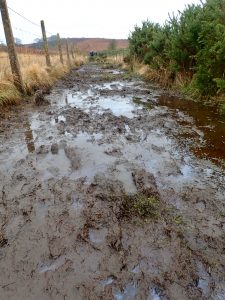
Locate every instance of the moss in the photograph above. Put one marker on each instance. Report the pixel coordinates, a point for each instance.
(178, 220)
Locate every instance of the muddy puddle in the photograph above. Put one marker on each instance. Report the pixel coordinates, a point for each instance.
(208, 122)
(102, 198)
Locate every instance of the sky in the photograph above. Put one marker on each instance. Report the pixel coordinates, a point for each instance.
(85, 18)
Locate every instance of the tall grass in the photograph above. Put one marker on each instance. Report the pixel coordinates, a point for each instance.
(35, 74)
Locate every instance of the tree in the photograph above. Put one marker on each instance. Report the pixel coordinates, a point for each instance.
(36, 41)
(112, 45)
(191, 45)
(52, 38)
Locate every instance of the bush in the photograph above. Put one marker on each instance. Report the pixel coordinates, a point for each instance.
(191, 44)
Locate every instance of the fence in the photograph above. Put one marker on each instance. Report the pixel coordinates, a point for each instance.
(41, 38)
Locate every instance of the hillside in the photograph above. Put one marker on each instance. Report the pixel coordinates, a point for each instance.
(85, 44)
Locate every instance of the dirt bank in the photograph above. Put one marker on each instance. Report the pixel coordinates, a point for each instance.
(102, 197)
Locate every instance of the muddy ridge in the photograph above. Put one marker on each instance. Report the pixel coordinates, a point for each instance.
(103, 197)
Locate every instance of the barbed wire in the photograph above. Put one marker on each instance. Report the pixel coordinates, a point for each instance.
(25, 31)
(23, 17)
(28, 20)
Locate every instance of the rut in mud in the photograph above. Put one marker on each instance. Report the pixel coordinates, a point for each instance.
(101, 198)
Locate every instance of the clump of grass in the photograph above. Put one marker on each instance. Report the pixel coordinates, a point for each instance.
(127, 76)
(3, 240)
(108, 65)
(58, 71)
(222, 108)
(141, 206)
(36, 77)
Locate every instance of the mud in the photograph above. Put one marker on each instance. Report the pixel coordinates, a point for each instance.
(71, 170)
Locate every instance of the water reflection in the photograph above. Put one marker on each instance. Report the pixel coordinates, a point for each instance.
(208, 121)
(29, 139)
(66, 100)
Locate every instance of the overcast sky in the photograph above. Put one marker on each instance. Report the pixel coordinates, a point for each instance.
(88, 18)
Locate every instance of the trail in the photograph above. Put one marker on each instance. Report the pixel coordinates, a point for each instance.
(69, 172)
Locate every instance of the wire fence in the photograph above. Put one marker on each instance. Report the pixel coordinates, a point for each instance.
(21, 33)
(22, 38)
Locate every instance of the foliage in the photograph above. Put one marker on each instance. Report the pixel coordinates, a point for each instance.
(112, 45)
(190, 44)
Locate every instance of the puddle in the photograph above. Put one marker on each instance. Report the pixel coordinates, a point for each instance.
(58, 120)
(154, 294)
(207, 120)
(51, 196)
(129, 292)
(98, 236)
(77, 204)
(91, 100)
(119, 106)
(108, 281)
(115, 72)
(52, 266)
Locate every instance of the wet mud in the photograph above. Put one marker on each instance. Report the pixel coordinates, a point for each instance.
(103, 197)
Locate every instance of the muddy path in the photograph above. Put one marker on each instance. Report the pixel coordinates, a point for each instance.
(101, 197)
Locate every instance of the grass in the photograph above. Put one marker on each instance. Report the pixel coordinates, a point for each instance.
(35, 74)
(222, 108)
(3, 240)
(8, 93)
(140, 205)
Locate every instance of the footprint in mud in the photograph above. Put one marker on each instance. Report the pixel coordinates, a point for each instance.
(129, 292)
(98, 236)
(74, 157)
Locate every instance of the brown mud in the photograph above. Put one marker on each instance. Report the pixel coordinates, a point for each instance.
(102, 198)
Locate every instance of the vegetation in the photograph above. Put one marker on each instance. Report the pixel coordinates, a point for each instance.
(34, 72)
(111, 58)
(140, 205)
(188, 49)
(112, 46)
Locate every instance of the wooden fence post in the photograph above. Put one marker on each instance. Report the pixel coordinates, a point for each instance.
(68, 54)
(48, 61)
(60, 48)
(14, 63)
(72, 51)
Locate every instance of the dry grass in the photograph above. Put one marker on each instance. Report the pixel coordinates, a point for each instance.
(8, 93)
(34, 72)
(115, 59)
(162, 76)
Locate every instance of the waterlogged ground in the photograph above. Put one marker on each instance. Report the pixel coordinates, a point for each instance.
(69, 173)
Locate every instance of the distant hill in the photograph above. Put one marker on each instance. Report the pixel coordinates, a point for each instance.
(84, 44)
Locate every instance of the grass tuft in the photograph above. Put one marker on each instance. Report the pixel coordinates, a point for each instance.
(9, 95)
(140, 205)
